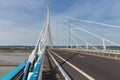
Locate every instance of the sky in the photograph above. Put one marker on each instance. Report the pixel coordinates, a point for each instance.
(21, 20)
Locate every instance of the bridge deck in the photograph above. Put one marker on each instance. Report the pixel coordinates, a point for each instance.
(99, 68)
(79, 66)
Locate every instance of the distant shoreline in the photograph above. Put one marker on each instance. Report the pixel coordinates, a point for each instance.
(32, 47)
(17, 47)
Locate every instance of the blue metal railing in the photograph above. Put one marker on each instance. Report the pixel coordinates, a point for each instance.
(14, 72)
(26, 71)
(38, 68)
(36, 71)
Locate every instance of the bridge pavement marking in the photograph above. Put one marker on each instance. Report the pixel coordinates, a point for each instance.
(81, 56)
(77, 69)
(60, 68)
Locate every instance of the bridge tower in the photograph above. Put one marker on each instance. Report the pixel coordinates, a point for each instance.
(48, 25)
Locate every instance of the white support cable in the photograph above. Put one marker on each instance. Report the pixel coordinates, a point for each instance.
(58, 38)
(89, 22)
(98, 36)
(40, 34)
(63, 36)
(82, 39)
(68, 35)
(91, 33)
(53, 31)
(32, 55)
(42, 37)
(74, 40)
(62, 39)
(65, 40)
(57, 34)
(45, 35)
(54, 40)
(42, 41)
(45, 32)
(38, 42)
(59, 43)
(63, 32)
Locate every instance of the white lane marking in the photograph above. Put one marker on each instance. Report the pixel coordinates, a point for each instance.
(60, 68)
(81, 56)
(80, 71)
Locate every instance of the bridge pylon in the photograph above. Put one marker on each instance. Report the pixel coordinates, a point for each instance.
(48, 25)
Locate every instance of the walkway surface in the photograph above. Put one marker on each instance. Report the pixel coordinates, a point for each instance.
(50, 71)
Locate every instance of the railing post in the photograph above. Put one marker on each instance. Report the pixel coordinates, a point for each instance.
(87, 46)
(104, 45)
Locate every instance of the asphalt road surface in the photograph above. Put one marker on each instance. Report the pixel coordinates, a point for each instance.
(87, 67)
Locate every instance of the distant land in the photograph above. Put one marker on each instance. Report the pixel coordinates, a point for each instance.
(16, 47)
(32, 47)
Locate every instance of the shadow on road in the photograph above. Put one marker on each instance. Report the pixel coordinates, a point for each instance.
(68, 59)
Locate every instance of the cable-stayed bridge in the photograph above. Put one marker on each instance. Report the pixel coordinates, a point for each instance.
(72, 49)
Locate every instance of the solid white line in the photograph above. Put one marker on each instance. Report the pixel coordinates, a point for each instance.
(80, 71)
(60, 68)
(81, 56)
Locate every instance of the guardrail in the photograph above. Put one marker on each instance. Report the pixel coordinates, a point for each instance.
(13, 73)
(26, 70)
(102, 54)
(37, 71)
(112, 54)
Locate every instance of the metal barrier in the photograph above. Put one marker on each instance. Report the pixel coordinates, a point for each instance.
(112, 54)
(13, 73)
(37, 72)
(26, 71)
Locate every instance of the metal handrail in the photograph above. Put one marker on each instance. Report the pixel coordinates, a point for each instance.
(13, 73)
(37, 71)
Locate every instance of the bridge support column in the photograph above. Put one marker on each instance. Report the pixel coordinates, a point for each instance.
(48, 25)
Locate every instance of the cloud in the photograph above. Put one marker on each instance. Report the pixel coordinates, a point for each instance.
(20, 21)
(94, 10)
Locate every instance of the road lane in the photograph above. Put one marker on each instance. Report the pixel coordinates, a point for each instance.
(74, 67)
(97, 67)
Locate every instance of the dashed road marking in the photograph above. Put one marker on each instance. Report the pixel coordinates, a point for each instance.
(81, 56)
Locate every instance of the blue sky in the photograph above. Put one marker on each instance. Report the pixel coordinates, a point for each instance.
(21, 20)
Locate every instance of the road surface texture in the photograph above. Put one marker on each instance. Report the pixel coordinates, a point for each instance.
(87, 67)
